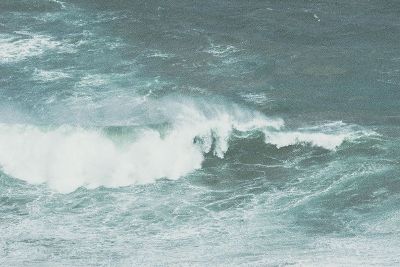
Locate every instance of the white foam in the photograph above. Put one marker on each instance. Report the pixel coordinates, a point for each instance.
(93, 80)
(328, 135)
(67, 158)
(60, 3)
(13, 49)
(256, 98)
(221, 50)
(156, 53)
(23, 45)
(48, 76)
(283, 139)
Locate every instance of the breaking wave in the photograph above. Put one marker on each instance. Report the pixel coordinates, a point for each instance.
(68, 157)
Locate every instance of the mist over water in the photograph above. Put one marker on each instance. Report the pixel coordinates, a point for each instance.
(184, 133)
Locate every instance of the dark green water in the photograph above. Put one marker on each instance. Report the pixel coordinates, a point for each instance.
(188, 133)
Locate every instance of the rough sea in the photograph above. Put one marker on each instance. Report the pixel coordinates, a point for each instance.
(199, 133)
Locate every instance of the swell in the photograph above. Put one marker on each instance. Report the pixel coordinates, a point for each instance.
(68, 157)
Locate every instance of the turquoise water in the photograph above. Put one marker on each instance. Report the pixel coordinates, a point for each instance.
(187, 133)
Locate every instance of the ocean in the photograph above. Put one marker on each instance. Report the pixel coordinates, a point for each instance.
(199, 133)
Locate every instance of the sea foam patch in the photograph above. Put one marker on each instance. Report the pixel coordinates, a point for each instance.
(49, 75)
(22, 45)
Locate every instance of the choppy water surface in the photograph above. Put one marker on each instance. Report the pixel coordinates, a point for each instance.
(192, 133)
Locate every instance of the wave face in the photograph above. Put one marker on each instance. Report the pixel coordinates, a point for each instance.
(188, 133)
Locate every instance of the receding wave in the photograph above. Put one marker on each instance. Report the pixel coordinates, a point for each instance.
(68, 157)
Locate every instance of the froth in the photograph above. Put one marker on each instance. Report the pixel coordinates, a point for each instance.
(67, 158)
(328, 135)
(14, 48)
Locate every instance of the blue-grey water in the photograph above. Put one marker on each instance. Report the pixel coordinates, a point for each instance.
(199, 133)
